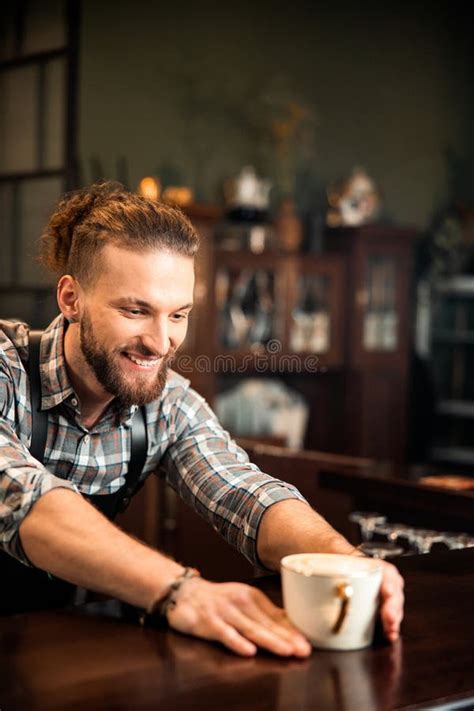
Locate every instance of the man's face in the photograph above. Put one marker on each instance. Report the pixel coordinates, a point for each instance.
(133, 319)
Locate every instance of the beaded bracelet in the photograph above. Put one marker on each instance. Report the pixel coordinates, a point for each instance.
(161, 607)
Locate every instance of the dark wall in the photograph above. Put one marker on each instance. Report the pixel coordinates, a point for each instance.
(190, 91)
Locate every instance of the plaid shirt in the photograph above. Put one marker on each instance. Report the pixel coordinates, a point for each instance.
(185, 443)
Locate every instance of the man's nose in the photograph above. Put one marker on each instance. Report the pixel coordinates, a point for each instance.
(157, 338)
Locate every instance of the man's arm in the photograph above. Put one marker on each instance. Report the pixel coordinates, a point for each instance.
(293, 527)
(213, 475)
(68, 537)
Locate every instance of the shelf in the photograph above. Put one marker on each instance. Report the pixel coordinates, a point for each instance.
(455, 455)
(458, 408)
(459, 285)
(459, 337)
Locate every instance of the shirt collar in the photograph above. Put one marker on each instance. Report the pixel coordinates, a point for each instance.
(55, 385)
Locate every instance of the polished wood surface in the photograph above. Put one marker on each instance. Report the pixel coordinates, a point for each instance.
(93, 658)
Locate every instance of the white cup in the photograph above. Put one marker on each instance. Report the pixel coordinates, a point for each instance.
(332, 599)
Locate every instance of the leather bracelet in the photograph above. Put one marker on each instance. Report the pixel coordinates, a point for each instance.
(164, 604)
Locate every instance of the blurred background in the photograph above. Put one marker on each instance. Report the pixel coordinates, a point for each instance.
(325, 154)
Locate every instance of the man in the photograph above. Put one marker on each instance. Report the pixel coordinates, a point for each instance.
(125, 293)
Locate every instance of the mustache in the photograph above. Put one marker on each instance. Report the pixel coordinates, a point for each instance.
(147, 353)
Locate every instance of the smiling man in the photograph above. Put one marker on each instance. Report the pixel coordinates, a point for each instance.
(132, 321)
(126, 276)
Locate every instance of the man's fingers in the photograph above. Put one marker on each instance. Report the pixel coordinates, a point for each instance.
(261, 609)
(221, 631)
(278, 624)
(392, 601)
(391, 613)
(392, 580)
(259, 634)
(264, 602)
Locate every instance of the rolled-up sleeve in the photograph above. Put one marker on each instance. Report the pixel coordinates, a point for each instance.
(23, 480)
(213, 474)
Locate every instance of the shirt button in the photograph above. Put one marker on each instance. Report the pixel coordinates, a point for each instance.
(74, 402)
(86, 439)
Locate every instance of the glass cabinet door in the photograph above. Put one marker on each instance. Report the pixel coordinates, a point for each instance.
(280, 304)
(315, 307)
(247, 302)
(310, 327)
(382, 301)
(380, 319)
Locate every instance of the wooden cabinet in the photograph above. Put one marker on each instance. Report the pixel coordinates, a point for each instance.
(269, 307)
(335, 326)
(378, 313)
(380, 266)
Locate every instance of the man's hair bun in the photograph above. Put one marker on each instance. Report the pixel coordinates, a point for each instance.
(85, 220)
(73, 208)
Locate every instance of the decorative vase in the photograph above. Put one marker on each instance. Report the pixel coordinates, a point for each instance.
(288, 226)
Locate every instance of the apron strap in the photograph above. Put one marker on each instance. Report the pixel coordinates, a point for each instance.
(113, 503)
(139, 446)
(39, 417)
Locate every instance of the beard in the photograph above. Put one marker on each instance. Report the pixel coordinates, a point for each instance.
(107, 369)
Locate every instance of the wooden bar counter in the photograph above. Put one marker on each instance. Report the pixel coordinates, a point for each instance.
(94, 658)
(401, 497)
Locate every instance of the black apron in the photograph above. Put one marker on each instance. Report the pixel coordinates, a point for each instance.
(22, 588)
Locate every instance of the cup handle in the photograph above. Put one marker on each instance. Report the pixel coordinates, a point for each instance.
(344, 592)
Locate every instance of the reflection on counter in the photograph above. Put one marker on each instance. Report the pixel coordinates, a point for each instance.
(347, 681)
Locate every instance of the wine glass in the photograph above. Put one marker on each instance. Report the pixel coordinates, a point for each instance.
(367, 521)
(392, 531)
(456, 541)
(381, 549)
(423, 539)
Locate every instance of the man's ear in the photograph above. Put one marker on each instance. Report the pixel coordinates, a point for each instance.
(68, 296)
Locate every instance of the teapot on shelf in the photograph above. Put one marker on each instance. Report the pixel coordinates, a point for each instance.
(247, 195)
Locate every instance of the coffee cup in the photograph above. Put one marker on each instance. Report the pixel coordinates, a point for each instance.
(332, 599)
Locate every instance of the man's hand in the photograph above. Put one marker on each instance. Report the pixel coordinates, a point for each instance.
(292, 526)
(239, 616)
(242, 618)
(392, 598)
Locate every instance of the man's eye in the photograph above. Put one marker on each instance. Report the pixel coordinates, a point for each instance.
(179, 317)
(133, 312)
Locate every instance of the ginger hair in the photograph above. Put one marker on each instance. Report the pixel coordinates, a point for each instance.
(105, 213)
